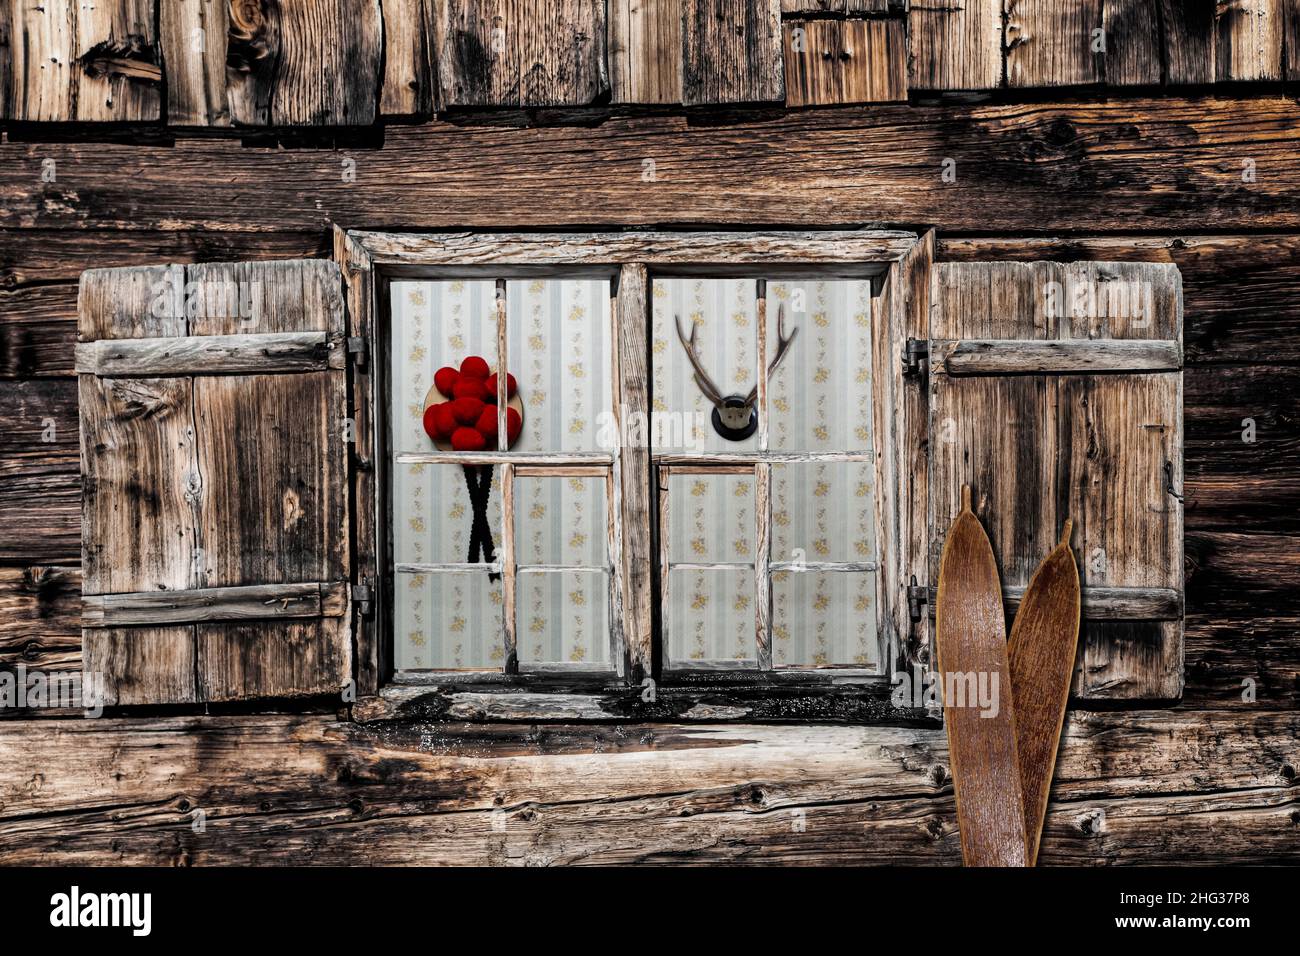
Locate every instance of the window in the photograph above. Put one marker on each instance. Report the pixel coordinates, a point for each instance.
(665, 518)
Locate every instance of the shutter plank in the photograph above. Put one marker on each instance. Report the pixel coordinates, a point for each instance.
(279, 659)
(845, 61)
(254, 602)
(1249, 41)
(1134, 42)
(408, 84)
(1037, 448)
(270, 352)
(140, 665)
(1026, 356)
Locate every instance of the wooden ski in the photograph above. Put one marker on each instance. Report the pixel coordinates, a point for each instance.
(970, 637)
(1044, 638)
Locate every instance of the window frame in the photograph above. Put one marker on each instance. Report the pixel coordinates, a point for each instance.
(639, 687)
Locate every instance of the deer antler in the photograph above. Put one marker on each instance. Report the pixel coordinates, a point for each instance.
(783, 346)
(711, 391)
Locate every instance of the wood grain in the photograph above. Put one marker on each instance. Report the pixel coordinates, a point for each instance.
(255, 602)
(970, 638)
(645, 51)
(265, 353)
(194, 34)
(1050, 42)
(829, 62)
(408, 81)
(955, 46)
(1040, 654)
(731, 51)
(1034, 357)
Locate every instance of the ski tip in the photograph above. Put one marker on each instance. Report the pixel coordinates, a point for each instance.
(965, 498)
(1065, 532)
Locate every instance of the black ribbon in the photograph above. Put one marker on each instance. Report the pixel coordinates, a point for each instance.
(478, 479)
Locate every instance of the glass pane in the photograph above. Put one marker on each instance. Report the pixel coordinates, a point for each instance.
(433, 513)
(447, 621)
(819, 397)
(561, 520)
(823, 511)
(711, 519)
(435, 325)
(820, 618)
(723, 314)
(563, 617)
(710, 615)
(559, 352)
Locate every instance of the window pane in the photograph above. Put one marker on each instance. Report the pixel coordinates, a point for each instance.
(819, 398)
(434, 325)
(823, 511)
(561, 520)
(821, 618)
(711, 518)
(433, 516)
(710, 615)
(560, 354)
(723, 313)
(447, 621)
(563, 617)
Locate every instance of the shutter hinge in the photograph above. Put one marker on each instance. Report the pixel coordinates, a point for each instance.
(360, 348)
(916, 596)
(915, 351)
(362, 596)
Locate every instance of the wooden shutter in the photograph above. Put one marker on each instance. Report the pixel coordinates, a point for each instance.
(213, 460)
(1055, 391)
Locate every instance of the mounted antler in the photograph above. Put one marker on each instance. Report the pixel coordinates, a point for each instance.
(734, 418)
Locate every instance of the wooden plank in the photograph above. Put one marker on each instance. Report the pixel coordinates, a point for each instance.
(253, 602)
(633, 399)
(970, 637)
(645, 51)
(360, 294)
(1030, 357)
(409, 83)
(281, 659)
(829, 62)
(1249, 40)
(259, 353)
(731, 52)
(448, 176)
(521, 52)
(1136, 51)
(1052, 43)
(81, 62)
(304, 64)
(1117, 604)
(464, 253)
(1190, 47)
(153, 665)
(955, 46)
(1211, 786)
(41, 608)
(194, 38)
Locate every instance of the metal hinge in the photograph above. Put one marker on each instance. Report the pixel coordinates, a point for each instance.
(916, 596)
(360, 348)
(362, 596)
(915, 351)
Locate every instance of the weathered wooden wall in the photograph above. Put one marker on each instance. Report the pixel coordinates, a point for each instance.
(1210, 183)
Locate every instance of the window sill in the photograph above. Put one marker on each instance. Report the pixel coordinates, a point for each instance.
(807, 698)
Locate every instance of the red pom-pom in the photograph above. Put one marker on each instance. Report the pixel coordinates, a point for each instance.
(467, 410)
(514, 425)
(444, 422)
(430, 424)
(468, 439)
(487, 423)
(445, 379)
(511, 386)
(474, 367)
(471, 388)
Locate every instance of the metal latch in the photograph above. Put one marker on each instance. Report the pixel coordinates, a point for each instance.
(362, 595)
(916, 596)
(360, 348)
(915, 351)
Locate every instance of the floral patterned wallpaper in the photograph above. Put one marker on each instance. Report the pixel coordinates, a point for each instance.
(560, 352)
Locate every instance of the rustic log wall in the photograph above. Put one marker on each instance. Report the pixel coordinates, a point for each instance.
(1211, 184)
